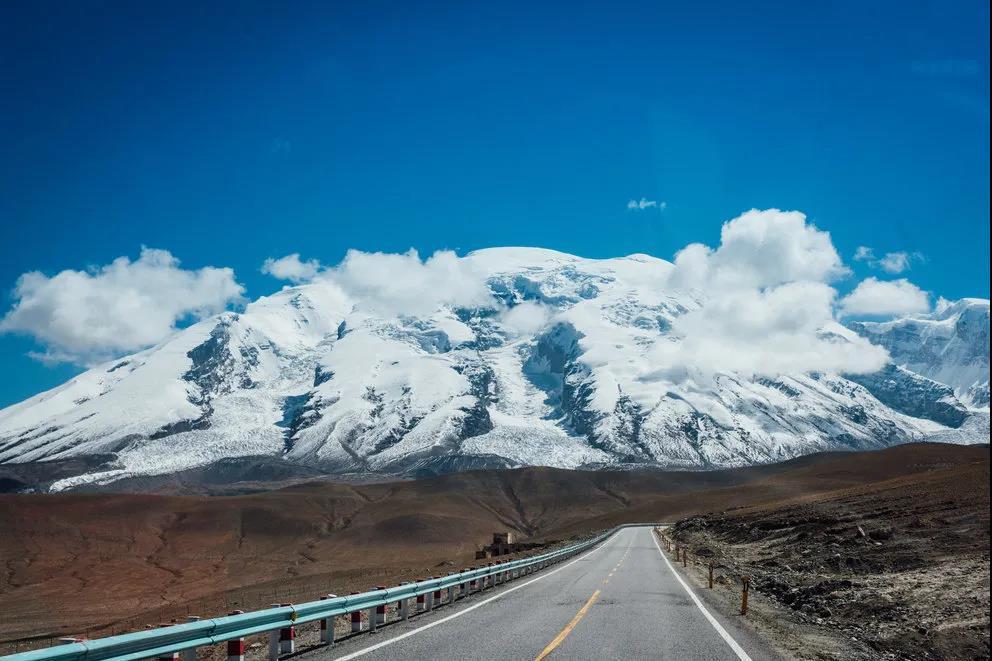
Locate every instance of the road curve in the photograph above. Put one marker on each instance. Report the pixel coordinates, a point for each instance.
(620, 600)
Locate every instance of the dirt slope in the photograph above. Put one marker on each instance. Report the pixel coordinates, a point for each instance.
(894, 569)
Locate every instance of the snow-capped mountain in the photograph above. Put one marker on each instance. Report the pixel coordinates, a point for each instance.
(950, 346)
(558, 372)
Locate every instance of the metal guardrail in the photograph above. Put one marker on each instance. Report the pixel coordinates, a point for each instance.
(167, 641)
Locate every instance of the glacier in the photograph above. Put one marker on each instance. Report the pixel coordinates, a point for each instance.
(311, 375)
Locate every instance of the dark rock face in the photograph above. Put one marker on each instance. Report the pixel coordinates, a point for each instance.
(909, 393)
(214, 367)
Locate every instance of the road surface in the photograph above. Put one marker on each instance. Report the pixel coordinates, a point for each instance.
(621, 600)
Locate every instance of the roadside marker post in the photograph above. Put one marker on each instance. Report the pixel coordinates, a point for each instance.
(745, 588)
(711, 576)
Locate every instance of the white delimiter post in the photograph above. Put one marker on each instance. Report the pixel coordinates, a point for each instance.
(430, 597)
(274, 641)
(405, 604)
(327, 625)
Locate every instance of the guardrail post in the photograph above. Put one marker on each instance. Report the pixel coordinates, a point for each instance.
(274, 641)
(429, 598)
(356, 620)
(421, 599)
(174, 656)
(377, 615)
(452, 591)
(327, 624)
(404, 604)
(463, 586)
(287, 637)
(235, 647)
(190, 654)
(436, 597)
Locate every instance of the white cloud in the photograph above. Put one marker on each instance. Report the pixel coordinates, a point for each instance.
(885, 297)
(89, 316)
(764, 303)
(403, 284)
(291, 268)
(644, 203)
(891, 262)
(895, 262)
(526, 318)
(779, 330)
(760, 249)
(864, 254)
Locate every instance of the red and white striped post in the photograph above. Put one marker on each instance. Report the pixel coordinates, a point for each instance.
(190, 654)
(356, 620)
(430, 597)
(236, 647)
(421, 599)
(380, 610)
(436, 597)
(287, 637)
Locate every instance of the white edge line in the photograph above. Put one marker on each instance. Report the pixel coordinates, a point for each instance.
(738, 650)
(471, 608)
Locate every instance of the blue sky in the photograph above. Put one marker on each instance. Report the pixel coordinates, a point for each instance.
(230, 134)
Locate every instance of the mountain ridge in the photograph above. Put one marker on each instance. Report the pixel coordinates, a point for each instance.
(556, 365)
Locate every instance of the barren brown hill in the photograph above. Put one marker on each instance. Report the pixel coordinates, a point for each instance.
(896, 569)
(99, 563)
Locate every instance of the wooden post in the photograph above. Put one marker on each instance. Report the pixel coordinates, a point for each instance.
(746, 585)
(685, 558)
(711, 576)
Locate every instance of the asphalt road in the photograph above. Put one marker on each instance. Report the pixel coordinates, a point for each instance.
(621, 600)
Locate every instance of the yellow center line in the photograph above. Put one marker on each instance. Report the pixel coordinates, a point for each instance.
(568, 629)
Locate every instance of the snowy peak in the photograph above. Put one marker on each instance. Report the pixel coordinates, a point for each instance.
(950, 346)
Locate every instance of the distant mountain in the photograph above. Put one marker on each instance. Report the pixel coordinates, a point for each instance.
(950, 346)
(306, 375)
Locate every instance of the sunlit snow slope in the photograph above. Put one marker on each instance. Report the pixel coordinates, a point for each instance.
(306, 374)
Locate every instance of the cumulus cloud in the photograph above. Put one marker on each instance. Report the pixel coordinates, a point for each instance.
(780, 330)
(89, 316)
(292, 268)
(759, 249)
(644, 203)
(526, 318)
(885, 297)
(404, 284)
(765, 305)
